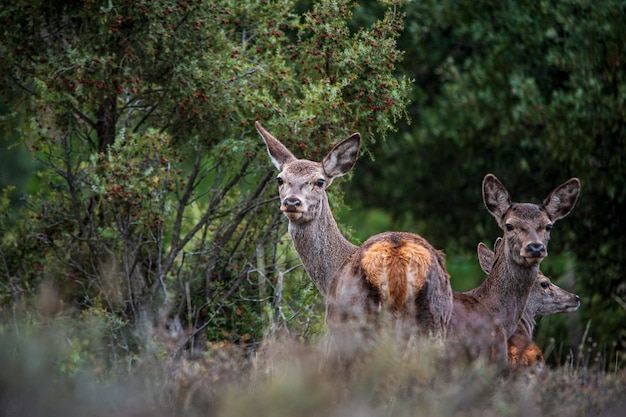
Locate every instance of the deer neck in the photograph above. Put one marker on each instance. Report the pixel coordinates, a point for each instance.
(505, 291)
(321, 247)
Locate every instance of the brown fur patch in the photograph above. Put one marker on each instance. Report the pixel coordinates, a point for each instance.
(523, 352)
(392, 266)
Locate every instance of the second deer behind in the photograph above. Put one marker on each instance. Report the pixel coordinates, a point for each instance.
(545, 298)
(485, 317)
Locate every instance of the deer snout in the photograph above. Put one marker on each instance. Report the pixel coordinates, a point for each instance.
(536, 249)
(574, 305)
(291, 204)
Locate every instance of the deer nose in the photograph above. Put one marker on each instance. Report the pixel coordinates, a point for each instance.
(291, 203)
(577, 298)
(536, 249)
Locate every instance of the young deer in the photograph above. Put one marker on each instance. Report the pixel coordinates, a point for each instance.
(484, 318)
(393, 275)
(545, 298)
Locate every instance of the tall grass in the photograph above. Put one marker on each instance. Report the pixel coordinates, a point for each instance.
(283, 377)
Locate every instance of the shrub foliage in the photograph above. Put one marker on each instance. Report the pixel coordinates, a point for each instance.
(152, 193)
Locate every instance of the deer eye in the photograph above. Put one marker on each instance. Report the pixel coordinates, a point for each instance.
(320, 182)
(279, 180)
(508, 226)
(544, 285)
(548, 227)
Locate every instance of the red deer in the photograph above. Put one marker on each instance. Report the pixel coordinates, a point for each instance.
(484, 318)
(545, 298)
(395, 275)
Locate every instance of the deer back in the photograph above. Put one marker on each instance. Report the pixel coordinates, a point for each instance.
(402, 276)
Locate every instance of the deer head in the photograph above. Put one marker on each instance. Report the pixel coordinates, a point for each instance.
(302, 183)
(547, 298)
(527, 226)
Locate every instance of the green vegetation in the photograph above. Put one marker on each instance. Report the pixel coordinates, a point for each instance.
(144, 263)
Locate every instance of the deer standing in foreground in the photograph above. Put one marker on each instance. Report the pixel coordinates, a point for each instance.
(394, 275)
(484, 318)
(545, 298)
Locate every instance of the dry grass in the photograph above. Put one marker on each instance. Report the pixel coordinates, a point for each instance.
(289, 378)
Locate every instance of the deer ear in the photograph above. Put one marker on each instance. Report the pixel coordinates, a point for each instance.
(562, 199)
(495, 196)
(279, 154)
(342, 157)
(496, 244)
(485, 257)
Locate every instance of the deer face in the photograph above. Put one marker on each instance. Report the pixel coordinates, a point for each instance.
(302, 187)
(547, 298)
(302, 183)
(527, 226)
(526, 233)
